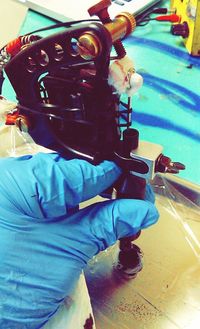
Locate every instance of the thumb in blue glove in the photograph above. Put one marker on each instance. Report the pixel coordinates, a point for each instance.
(44, 246)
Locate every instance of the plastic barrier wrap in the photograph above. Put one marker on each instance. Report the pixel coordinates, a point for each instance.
(166, 293)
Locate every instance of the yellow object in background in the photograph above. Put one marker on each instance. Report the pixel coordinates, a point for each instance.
(189, 27)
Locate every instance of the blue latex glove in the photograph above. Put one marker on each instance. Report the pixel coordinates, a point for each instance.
(44, 244)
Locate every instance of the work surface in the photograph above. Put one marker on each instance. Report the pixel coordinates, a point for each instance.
(165, 294)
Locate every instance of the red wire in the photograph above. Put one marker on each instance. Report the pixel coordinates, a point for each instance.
(173, 18)
(14, 46)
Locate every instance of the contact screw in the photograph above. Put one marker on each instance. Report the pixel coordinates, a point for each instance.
(101, 10)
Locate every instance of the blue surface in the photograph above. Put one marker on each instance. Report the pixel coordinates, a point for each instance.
(167, 107)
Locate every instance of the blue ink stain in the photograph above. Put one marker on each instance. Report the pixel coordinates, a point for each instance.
(165, 48)
(160, 85)
(154, 121)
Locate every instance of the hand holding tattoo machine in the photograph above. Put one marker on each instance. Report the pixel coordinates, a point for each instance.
(69, 89)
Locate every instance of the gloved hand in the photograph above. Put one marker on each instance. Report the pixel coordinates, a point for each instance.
(44, 243)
